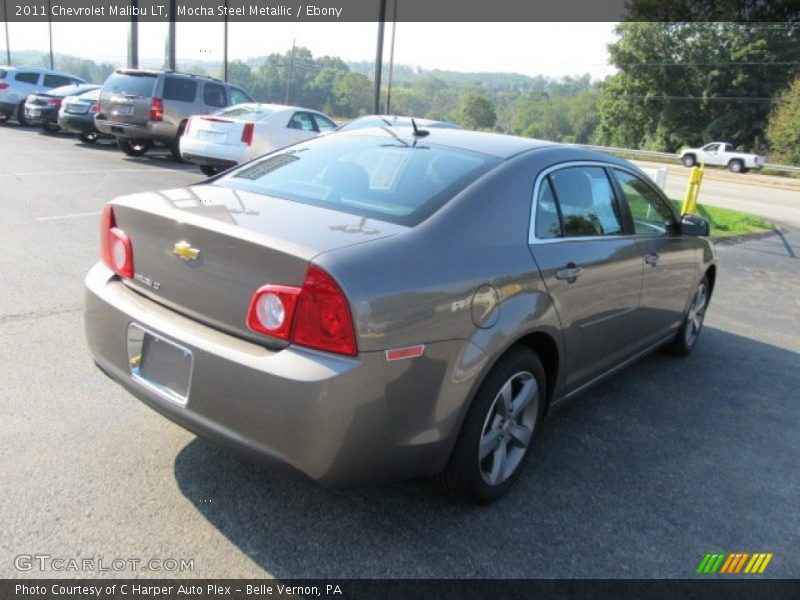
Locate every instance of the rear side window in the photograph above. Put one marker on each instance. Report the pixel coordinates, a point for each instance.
(135, 85)
(548, 225)
(586, 202)
(53, 81)
(214, 95)
(302, 121)
(378, 177)
(180, 89)
(26, 77)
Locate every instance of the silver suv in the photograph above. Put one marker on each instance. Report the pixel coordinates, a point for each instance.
(17, 83)
(146, 108)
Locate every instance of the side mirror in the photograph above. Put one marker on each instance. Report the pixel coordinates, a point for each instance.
(694, 225)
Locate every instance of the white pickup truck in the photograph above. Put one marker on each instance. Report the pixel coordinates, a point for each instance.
(721, 154)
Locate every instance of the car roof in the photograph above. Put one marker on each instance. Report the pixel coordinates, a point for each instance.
(495, 144)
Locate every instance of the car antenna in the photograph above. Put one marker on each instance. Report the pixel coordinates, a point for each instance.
(418, 132)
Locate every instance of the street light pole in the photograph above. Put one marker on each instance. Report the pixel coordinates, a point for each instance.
(391, 61)
(8, 42)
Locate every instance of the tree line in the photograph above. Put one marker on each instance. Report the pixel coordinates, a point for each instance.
(676, 84)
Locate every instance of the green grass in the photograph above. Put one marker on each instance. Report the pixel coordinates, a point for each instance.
(726, 222)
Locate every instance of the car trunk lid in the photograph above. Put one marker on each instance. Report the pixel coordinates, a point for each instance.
(204, 250)
(218, 130)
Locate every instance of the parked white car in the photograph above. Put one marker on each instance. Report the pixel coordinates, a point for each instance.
(242, 132)
(721, 154)
(17, 83)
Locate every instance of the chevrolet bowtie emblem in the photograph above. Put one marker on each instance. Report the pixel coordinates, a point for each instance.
(185, 251)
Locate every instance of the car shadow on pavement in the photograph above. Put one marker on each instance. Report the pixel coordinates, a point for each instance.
(638, 477)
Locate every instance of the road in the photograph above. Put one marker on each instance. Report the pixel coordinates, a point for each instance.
(747, 192)
(638, 478)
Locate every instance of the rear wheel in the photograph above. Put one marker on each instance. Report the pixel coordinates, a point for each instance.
(689, 160)
(21, 115)
(499, 429)
(89, 137)
(133, 148)
(736, 166)
(686, 338)
(209, 171)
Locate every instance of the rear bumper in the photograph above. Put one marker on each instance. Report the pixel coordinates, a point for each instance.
(46, 115)
(212, 154)
(78, 123)
(338, 420)
(153, 131)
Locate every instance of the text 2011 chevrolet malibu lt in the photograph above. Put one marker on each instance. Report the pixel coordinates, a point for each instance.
(390, 303)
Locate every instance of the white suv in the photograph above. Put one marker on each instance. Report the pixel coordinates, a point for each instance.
(16, 83)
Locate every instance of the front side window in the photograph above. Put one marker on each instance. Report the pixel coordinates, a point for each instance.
(180, 88)
(650, 213)
(302, 121)
(586, 202)
(239, 96)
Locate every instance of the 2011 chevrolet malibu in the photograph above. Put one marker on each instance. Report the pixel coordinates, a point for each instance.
(388, 303)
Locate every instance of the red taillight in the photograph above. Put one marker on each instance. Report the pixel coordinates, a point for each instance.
(95, 108)
(54, 101)
(3, 86)
(316, 315)
(116, 249)
(247, 133)
(156, 109)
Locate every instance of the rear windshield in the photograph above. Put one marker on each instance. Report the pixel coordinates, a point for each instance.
(70, 90)
(140, 84)
(245, 113)
(380, 177)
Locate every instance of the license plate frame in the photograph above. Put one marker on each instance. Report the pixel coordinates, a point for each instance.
(125, 110)
(160, 364)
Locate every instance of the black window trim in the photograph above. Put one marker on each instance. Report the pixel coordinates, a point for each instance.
(545, 173)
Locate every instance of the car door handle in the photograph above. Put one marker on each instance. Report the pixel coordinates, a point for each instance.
(651, 258)
(569, 273)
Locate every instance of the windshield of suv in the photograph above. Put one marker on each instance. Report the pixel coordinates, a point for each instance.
(139, 84)
(245, 112)
(380, 177)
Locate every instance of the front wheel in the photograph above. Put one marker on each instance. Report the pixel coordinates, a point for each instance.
(686, 338)
(133, 148)
(499, 429)
(89, 137)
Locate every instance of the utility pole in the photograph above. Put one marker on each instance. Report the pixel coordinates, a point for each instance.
(50, 33)
(225, 46)
(379, 58)
(291, 74)
(391, 61)
(173, 13)
(8, 42)
(133, 46)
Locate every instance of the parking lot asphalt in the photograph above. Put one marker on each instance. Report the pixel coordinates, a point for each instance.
(639, 477)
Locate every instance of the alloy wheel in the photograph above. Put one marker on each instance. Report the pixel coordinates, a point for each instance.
(697, 311)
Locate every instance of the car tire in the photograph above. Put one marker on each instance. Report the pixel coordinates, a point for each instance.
(209, 171)
(736, 166)
(686, 339)
(89, 137)
(689, 160)
(175, 146)
(21, 115)
(499, 429)
(133, 148)
(51, 127)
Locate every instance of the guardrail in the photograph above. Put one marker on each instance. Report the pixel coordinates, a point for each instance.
(654, 154)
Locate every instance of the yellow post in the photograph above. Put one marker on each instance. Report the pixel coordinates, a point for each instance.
(695, 178)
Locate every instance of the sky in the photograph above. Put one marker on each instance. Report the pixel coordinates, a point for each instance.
(551, 49)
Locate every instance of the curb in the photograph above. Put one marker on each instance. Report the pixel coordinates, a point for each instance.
(745, 237)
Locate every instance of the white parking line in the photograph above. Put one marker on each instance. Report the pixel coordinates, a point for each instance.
(48, 173)
(73, 216)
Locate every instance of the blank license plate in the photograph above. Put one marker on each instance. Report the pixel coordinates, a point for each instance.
(35, 112)
(211, 136)
(124, 111)
(165, 366)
